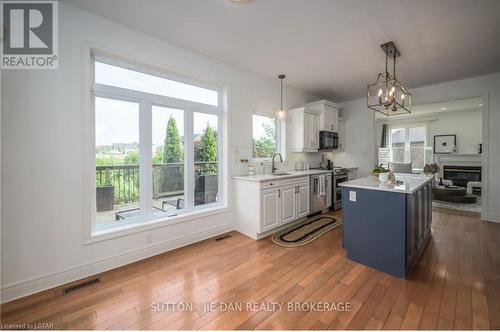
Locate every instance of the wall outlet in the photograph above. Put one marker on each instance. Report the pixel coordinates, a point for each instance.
(352, 196)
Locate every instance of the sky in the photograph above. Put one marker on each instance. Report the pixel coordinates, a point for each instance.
(118, 121)
(258, 122)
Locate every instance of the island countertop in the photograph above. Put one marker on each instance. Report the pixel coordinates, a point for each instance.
(408, 185)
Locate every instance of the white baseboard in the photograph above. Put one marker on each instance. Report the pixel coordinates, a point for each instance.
(34, 285)
(492, 218)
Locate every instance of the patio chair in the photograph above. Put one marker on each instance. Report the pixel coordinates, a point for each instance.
(205, 192)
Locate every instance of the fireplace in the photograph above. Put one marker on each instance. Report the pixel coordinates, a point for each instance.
(461, 175)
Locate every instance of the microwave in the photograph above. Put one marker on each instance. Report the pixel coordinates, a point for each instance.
(328, 140)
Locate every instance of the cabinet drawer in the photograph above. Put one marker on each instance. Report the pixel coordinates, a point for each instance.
(295, 180)
(269, 184)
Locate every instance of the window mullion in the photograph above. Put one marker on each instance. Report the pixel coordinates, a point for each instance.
(145, 160)
(189, 179)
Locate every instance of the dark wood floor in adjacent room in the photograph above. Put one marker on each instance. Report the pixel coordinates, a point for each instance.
(456, 285)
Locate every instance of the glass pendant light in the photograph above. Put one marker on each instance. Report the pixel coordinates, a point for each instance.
(387, 95)
(282, 113)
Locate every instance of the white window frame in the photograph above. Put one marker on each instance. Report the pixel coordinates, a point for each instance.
(280, 128)
(146, 101)
(407, 147)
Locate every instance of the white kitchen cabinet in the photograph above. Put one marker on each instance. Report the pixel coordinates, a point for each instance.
(270, 209)
(329, 119)
(302, 200)
(329, 113)
(288, 203)
(341, 134)
(262, 207)
(304, 131)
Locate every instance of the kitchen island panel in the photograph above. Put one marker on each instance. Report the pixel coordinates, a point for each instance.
(375, 229)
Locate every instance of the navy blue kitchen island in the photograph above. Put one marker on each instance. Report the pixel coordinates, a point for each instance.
(386, 226)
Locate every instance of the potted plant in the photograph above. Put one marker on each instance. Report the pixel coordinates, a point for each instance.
(382, 173)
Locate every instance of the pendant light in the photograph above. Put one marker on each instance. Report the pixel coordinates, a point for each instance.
(387, 95)
(282, 113)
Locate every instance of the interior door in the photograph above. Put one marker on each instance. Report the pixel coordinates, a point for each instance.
(288, 204)
(269, 204)
(302, 197)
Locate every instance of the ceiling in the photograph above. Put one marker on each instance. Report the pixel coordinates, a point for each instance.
(329, 48)
(474, 104)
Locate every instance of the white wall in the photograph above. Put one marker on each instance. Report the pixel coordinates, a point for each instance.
(466, 124)
(361, 141)
(43, 150)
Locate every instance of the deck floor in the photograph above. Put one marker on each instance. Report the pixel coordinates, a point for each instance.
(455, 285)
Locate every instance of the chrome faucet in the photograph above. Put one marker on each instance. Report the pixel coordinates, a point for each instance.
(273, 168)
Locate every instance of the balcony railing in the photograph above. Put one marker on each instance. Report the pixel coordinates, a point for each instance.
(168, 179)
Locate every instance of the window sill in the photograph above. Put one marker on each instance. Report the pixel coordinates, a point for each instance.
(138, 227)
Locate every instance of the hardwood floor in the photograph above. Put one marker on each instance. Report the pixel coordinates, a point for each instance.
(455, 285)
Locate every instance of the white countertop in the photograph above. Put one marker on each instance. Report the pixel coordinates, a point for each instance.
(410, 183)
(290, 174)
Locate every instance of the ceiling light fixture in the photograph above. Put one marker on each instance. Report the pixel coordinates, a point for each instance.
(387, 95)
(444, 108)
(282, 111)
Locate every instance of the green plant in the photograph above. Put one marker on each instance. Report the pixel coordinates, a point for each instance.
(380, 169)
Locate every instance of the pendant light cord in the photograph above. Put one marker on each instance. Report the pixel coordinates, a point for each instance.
(281, 93)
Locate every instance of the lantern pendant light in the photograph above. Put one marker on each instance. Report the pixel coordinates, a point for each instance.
(387, 95)
(282, 113)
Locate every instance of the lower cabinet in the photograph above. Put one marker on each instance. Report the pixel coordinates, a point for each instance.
(283, 204)
(302, 200)
(270, 212)
(419, 219)
(264, 206)
(288, 203)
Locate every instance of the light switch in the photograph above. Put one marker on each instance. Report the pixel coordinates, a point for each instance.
(352, 196)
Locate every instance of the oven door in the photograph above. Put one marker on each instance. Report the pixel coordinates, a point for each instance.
(328, 140)
(337, 190)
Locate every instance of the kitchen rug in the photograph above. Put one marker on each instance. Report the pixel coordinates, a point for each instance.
(306, 231)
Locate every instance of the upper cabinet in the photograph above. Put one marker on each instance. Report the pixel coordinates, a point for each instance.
(329, 114)
(341, 136)
(304, 130)
(306, 123)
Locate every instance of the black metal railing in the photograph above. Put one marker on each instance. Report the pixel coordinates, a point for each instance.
(168, 179)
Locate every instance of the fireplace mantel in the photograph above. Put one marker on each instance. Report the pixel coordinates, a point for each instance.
(458, 159)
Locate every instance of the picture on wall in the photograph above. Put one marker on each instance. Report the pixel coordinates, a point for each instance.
(445, 144)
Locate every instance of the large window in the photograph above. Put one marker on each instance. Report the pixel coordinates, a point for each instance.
(408, 144)
(157, 145)
(265, 136)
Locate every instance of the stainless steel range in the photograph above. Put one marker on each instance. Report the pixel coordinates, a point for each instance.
(339, 175)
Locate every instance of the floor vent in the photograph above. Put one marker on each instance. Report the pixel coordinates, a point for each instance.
(81, 285)
(223, 237)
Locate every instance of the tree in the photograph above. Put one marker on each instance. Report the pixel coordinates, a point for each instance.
(265, 146)
(172, 149)
(209, 145)
(131, 158)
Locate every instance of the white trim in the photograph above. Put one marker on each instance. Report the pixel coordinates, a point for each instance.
(146, 101)
(278, 130)
(485, 214)
(34, 285)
